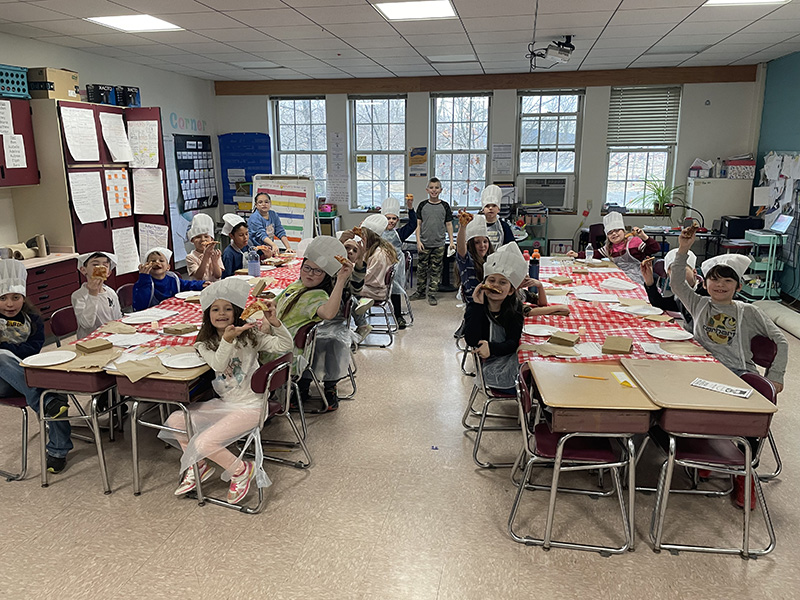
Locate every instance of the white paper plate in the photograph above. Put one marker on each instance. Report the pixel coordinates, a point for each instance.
(670, 333)
(48, 359)
(450, 251)
(597, 297)
(185, 295)
(181, 361)
(643, 310)
(135, 319)
(615, 283)
(539, 330)
(190, 334)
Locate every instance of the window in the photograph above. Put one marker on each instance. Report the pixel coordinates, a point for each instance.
(379, 134)
(642, 135)
(461, 147)
(302, 143)
(548, 132)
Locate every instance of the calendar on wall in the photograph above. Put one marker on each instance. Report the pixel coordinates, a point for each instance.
(194, 162)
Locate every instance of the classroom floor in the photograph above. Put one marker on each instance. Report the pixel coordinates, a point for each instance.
(392, 508)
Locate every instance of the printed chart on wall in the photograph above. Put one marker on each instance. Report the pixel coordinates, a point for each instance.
(195, 164)
(293, 200)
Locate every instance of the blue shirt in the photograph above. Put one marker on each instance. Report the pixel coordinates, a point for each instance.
(148, 292)
(469, 277)
(260, 227)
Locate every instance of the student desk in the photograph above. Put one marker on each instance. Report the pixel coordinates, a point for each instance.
(93, 382)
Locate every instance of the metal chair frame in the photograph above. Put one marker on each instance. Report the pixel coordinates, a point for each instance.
(20, 403)
(63, 323)
(306, 336)
(479, 387)
(125, 296)
(745, 470)
(389, 328)
(408, 311)
(764, 351)
(559, 464)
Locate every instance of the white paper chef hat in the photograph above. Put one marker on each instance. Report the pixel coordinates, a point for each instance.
(508, 262)
(738, 262)
(85, 257)
(231, 221)
(13, 276)
(201, 224)
(391, 206)
(322, 250)
(477, 228)
(235, 291)
(612, 221)
(340, 234)
(376, 223)
(491, 194)
(165, 251)
(303, 244)
(670, 258)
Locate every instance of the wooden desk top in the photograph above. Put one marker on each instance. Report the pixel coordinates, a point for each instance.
(560, 389)
(668, 384)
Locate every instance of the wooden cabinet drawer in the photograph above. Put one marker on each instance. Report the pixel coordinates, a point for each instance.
(51, 305)
(44, 286)
(47, 272)
(48, 296)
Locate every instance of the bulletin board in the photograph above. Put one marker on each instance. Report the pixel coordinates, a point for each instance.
(241, 156)
(194, 162)
(294, 199)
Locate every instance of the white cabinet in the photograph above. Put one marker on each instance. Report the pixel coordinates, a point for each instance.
(715, 198)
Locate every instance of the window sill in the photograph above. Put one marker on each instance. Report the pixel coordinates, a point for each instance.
(638, 214)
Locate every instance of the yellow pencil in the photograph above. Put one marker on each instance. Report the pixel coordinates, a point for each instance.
(591, 377)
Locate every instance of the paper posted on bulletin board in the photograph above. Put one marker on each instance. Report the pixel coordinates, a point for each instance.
(418, 162)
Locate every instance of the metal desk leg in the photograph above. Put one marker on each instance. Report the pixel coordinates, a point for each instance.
(99, 443)
(137, 490)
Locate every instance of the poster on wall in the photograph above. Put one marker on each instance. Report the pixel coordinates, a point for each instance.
(194, 162)
(179, 222)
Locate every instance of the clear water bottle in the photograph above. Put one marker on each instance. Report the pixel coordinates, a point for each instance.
(589, 251)
(718, 168)
(253, 264)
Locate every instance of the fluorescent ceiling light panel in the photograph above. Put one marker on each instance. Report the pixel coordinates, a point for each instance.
(135, 23)
(453, 58)
(743, 2)
(415, 11)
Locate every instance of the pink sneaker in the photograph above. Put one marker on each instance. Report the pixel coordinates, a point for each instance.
(240, 484)
(188, 483)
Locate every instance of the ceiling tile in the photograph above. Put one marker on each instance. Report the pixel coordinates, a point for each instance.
(440, 50)
(446, 39)
(184, 59)
(652, 15)
(407, 52)
(83, 8)
(367, 72)
(767, 39)
(434, 27)
(154, 49)
(240, 34)
(547, 7)
(268, 45)
(635, 4)
(152, 7)
(228, 57)
(69, 42)
(654, 30)
(243, 4)
(26, 31)
(71, 26)
(374, 30)
(383, 42)
(481, 8)
(475, 69)
(696, 28)
(568, 20)
(708, 14)
(411, 71)
(115, 39)
(615, 42)
(497, 24)
(23, 12)
(510, 37)
(329, 43)
(204, 47)
(170, 37)
(280, 56)
(691, 40)
(770, 26)
(579, 34)
(203, 20)
(616, 53)
(278, 17)
(661, 58)
(296, 32)
(402, 60)
(352, 13)
(319, 3)
(341, 62)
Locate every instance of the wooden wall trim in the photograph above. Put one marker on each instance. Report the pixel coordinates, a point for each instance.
(447, 83)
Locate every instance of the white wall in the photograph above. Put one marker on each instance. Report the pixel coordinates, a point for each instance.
(187, 103)
(726, 126)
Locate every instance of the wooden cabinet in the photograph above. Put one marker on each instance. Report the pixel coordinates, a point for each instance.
(50, 287)
(22, 122)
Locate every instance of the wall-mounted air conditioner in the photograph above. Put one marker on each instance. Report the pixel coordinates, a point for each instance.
(556, 192)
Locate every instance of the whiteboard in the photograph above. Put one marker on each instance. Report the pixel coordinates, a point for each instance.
(294, 199)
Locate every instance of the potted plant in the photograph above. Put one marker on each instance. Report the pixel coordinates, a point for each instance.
(658, 194)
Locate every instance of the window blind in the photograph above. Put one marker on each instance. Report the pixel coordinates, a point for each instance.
(643, 116)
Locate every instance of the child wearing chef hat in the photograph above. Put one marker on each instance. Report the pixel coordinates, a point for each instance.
(626, 250)
(156, 282)
(396, 236)
(204, 263)
(22, 336)
(94, 303)
(499, 232)
(724, 326)
(670, 302)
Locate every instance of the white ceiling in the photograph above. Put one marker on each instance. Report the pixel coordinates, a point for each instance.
(321, 39)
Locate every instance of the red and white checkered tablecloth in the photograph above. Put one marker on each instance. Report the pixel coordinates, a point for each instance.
(189, 312)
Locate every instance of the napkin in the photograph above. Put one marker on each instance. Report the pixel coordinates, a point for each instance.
(548, 349)
(139, 369)
(632, 301)
(95, 360)
(117, 327)
(615, 283)
(180, 328)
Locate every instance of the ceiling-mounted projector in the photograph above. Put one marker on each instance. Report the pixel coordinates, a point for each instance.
(560, 52)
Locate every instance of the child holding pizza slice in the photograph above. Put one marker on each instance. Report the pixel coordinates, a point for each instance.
(95, 303)
(204, 263)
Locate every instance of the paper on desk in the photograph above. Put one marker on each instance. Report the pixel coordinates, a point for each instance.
(583, 289)
(132, 339)
(589, 349)
(139, 369)
(722, 388)
(155, 313)
(117, 327)
(551, 299)
(93, 360)
(652, 348)
(684, 349)
(548, 349)
(623, 379)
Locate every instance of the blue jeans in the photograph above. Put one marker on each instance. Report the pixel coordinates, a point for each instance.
(12, 382)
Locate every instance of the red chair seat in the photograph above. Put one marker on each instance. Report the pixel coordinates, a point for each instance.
(498, 394)
(721, 452)
(274, 408)
(14, 401)
(576, 449)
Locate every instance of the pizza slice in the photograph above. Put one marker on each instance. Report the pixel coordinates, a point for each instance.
(100, 272)
(253, 308)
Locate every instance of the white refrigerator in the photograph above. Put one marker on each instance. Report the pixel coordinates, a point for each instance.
(717, 197)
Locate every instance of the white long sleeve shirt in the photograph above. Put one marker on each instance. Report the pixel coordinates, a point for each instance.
(92, 312)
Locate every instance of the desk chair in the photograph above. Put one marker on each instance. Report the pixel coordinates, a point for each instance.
(125, 295)
(20, 403)
(764, 352)
(597, 236)
(305, 338)
(567, 452)
(389, 328)
(63, 323)
(408, 283)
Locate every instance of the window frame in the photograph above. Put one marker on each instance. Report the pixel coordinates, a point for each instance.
(581, 94)
(355, 206)
(320, 184)
(470, 151)
(668, 172)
